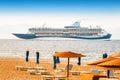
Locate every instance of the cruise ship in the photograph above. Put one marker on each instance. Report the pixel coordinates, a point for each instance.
(73, 31)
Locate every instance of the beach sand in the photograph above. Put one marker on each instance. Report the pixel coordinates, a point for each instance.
(8, 69)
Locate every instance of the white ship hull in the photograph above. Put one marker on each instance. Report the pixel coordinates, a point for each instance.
(74, 31)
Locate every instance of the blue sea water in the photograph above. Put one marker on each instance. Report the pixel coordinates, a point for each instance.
(93, 49)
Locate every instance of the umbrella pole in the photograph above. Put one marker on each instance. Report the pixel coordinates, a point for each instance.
(108, 73)
(68, 68)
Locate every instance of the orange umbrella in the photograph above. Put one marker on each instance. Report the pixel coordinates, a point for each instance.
(68, 54)
(101, 61)
(112, 63)
(104, 62)
(115, 55)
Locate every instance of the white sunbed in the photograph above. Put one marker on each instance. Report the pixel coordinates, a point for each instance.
(31, 71)
(54, 77)
(95, 71)
(48, 77)
(108, 79)
(22, 68)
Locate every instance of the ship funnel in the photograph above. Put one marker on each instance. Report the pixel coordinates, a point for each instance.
(76, 24)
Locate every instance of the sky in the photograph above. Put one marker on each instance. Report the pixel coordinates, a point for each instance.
(16, 16)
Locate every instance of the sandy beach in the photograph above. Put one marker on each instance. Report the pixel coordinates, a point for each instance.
(8, 69)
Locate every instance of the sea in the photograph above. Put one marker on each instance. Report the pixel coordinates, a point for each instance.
(93, 49)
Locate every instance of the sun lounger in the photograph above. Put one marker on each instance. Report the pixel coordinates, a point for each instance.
(31, 71)
(64, 69)
(82, 71)
(111, 74)
(95, 71)
(38, 68)
(108, 79)
(70, 67)
(24, 68)
(52, 77)
(74, 72)
(42, 72)
(19, 67)
(117, 72)
(60, 77)
(45, 73)
(47, 77)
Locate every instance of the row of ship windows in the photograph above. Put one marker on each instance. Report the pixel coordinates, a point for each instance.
(67, 33)
(58, 32)
(64, 30)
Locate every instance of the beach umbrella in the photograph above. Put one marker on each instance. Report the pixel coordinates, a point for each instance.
(54, 60)
(68, 54)
(105, 55)
(79, 61)
(37, 57)
(58, 59)
(111, 65)
(115, 55)
(27, 55)
(101, 60)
